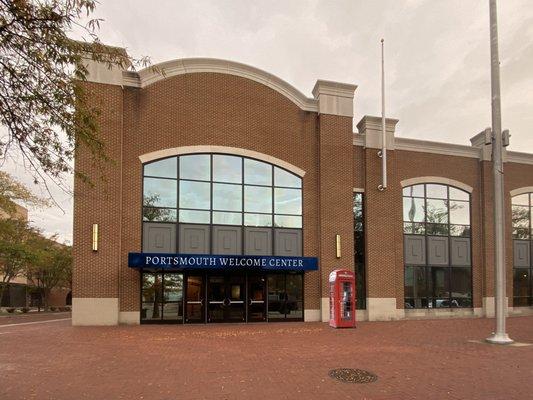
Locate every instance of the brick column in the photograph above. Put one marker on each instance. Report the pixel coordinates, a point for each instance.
(95, 283)
(336, 169)
(383, 228)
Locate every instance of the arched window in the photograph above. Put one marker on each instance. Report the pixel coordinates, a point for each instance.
(220, 190)
(522, 209)
(437, 248)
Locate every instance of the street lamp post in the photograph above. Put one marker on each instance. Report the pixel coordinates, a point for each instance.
(500, 335)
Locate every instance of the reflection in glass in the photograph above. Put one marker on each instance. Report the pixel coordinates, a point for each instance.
(227, 218)
(437, 229)
(196, 167)
(194, 216)
(159, 192)
(227, 169)
(436, 211)
(159, 214)
(460, 230)
(287, 221)
(257, 199)
(457, 194)
(415, 286)
(257, 219)
(151, 296)
(287, 201)
(227, 197)
(166, 168)
(440, 282)
(461, 287)
(413, 209)
(436, 191)
(257, 172)
(414, 191)
(284, 178)
(195, 195)
(521, 199)
(294, 290)
(277, 297)
(459, 212)
(173, 296)
(520, 217)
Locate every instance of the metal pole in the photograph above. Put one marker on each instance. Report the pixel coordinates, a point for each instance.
(499, 336)
(383, 185)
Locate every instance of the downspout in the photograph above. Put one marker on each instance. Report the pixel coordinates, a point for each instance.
(383, 152)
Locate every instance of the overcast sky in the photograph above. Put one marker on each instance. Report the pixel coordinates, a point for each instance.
(437, 58)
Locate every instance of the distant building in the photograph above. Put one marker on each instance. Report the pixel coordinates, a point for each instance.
(231, 192)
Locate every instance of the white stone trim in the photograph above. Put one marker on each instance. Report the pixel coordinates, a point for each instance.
(358, 190)
(174, 151)
(94, 311)
(383, 309)
(522, 190)
(436, 179)
(324, 308)
(429, 313)
(424, 146)
(129, 317)
(520, 158)
(311, 315)
(334, 98)
(171, 68)
(358, 139)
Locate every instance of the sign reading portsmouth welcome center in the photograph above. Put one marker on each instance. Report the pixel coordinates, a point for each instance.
(201, 261)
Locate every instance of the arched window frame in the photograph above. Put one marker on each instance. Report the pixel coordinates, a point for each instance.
(424, 273)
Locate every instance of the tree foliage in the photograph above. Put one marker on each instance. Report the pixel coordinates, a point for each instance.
(12, 191)
(49, 267)
(45, 110)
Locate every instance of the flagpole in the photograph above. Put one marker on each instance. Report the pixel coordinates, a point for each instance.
(383, 154)
(500, 335)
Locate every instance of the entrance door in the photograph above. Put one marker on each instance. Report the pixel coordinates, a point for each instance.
(195, 299)
(226, 296)
(256, 298)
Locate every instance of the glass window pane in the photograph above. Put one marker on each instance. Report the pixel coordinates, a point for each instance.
(437, 229)
(195, 195)
(152, 296)
(414, 191)
(287, 221)
(437, 211)
(194, 216)
(521, 282)
(436, 191)
(521, 200)
(459, 212)
(294, 289)
(160, 192)
(277, 296)
(227, 169)
(460, 230)
(284, 178)
(258, 199)
(287, 201)
(413, 209)
(257, 172)
(227, 218)
(461, 287)
(160, 214)
(520, 217)
(358, 211)
(227, 197)
(166, 168)
(521, 233)
(197, 166)
(258, 219)
(458, 194)
(415, 287)
(440, 283)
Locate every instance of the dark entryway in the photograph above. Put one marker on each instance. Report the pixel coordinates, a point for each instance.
(176, 297)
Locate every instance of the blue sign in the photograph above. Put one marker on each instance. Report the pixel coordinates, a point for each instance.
(180, 262)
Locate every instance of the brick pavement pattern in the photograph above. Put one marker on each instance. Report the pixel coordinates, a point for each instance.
(413, 360)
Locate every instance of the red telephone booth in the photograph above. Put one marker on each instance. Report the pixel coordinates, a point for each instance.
(342, 299)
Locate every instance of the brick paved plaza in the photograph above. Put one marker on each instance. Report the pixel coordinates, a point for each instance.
(413, 359)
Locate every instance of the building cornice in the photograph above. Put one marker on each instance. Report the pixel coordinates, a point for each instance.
(424, 146)
(519, 158)
(167, 69)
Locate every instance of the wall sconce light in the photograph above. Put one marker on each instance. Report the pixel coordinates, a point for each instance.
(95, 237)
(338, 245)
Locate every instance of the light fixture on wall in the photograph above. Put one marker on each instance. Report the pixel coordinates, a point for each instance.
(338, 246)
(95, 237)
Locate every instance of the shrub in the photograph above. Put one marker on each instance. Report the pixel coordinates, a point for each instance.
(52, 308)
(10, 310)
(25, 309)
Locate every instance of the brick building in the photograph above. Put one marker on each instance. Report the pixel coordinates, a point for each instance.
(218, 165)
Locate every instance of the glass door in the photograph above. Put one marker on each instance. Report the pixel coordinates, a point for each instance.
(173, 297)
(226, 295)
(216, 298)
(256, 298)
(151, 297)
(195, 299)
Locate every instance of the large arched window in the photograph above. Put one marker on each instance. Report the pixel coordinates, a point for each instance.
(522, 206)
(437, 248)
(221, 190)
